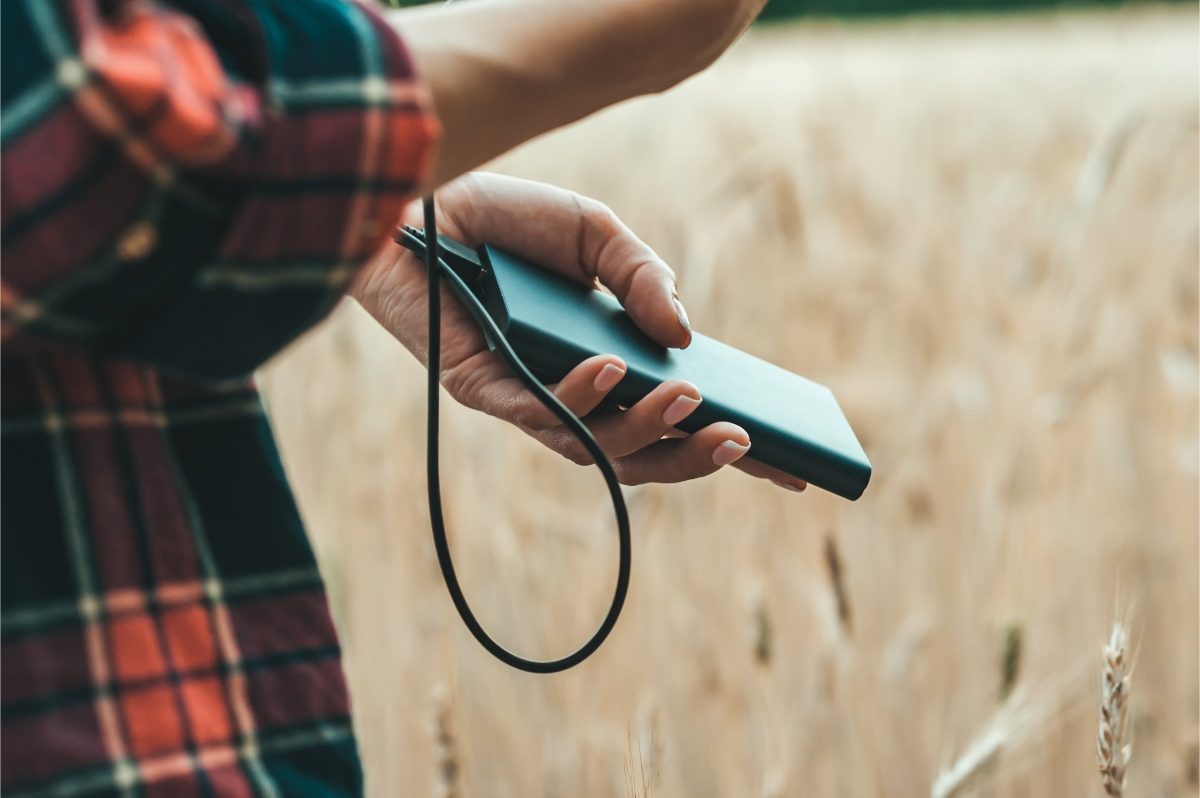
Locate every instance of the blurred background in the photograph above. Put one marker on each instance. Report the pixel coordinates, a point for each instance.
(981, 231)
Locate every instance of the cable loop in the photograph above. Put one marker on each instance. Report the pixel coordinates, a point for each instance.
(438, 269)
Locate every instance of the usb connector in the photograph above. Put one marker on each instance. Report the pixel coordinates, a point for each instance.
(463, 260)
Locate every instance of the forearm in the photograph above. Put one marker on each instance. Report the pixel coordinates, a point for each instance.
(504, 71)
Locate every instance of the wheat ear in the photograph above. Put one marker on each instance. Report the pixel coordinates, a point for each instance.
(1113, 748)
(1022, 720)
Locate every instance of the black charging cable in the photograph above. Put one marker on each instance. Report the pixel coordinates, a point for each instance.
(438, 269)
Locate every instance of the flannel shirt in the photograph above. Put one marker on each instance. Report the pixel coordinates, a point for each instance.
(186, 187)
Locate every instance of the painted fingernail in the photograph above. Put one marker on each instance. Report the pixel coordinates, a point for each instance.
(682, 314)
(680, 409)
(788, 486)
(608, 377)
(728, 452)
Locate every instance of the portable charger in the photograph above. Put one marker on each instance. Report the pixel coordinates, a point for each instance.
(543, 325)
(554, 324)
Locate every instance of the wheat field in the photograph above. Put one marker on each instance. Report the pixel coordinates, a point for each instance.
(982, 234)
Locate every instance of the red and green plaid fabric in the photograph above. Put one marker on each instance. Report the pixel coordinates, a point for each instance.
(186, 187)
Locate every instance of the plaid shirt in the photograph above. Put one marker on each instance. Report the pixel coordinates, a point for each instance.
(187, 186)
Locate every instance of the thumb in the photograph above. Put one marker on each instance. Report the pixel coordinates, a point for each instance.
(640, 279)
(578, 237)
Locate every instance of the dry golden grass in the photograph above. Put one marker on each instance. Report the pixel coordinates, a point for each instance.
(1113, 746)
(982, 234)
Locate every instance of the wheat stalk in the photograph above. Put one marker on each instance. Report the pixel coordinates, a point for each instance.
(1010, 659)
(1022, 720)
(1112, 746)
(976, 761)
(837, 579)
(636, 779)
(446, 744)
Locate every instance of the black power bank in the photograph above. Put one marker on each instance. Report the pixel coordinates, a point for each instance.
(554, 324)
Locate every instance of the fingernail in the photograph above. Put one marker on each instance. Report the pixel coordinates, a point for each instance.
(728, 452)
(787, 486)
(680, 409)
(608, 377)
(682, 314)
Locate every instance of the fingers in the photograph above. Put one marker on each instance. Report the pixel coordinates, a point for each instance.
(573, 235)
(780, 479)
(642, 441)
(680, 459)
(589, 383)
(641, 425)
(648, 420)
(483, 382)
(774, 475)
(698, 455)
(635, 274)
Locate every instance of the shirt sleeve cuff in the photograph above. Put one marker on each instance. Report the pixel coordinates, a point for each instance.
(338, 137)
(345, 135)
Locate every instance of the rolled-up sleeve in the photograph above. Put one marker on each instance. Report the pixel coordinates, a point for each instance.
(193, 184)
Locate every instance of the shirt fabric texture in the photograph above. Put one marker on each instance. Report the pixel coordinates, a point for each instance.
(186, 187)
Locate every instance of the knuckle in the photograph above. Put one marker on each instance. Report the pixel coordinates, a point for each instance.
(597, 213)
(532, 417)
(630, 477)
(574, 451)
(646, 268)
(656, 268)
(461, 386)
(563, 443)
(599, 228)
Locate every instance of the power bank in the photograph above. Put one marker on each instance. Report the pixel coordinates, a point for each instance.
(554, 324)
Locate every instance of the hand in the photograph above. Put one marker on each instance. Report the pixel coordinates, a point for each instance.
(585, 241)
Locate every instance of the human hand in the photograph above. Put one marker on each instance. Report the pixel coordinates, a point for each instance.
(584, 240)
